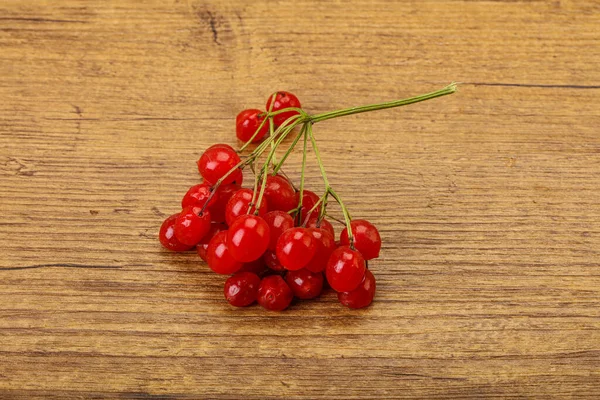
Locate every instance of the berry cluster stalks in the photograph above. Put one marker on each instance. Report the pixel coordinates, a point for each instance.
(276, 224)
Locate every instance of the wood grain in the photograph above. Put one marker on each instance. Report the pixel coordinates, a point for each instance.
(487, 200)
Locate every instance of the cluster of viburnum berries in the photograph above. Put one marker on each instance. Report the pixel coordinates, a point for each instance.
(273, 239)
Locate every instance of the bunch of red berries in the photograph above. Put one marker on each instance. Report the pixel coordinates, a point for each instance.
(275, 238)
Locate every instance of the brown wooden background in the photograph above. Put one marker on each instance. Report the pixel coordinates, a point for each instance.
(487, 200)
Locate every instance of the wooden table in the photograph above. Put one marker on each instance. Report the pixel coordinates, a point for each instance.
(487, 200)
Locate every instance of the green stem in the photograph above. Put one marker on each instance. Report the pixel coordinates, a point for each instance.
(346, 214)
(289, 150)
(299, 215)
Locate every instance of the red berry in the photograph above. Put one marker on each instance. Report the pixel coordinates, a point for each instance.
(304, 283)
(324, 224)
(272, 262)
(238, 205)
(362, 296)
(325, 244)
(246, 124)
(274, 294)
(280, 193)
(197, 196)
(241, 289)
(278, 222)
(191, 226)
(216, 161)
(167, 238)
(309, 199)
(295, 248)
(222, 196)
(257, 267)
(366, 238)
(345, 269)
(283, 100)
(219, 258)
(248, 238)
(203, 245)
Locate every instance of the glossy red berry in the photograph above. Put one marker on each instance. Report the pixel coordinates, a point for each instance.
(309, 199)
(241, 289)
(362, 296)
(246, 124)
(283, 100)
(325, 245)
(222, 196)
(280, 193)
(202, 247)
(345, 269)
(257, 267)
(167, 238)
(304, 283)
(248, 238)
(272, 262)
(278, 222)
(238, 205)
(324, 224)
(219, 258)
(191, 225)
(197, 196)
(295, 248)
(366, 238)
(274, 294)
(216, 161)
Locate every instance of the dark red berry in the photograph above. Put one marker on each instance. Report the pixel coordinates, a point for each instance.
(309, 199)
(362, 296)
(191, 225)
(324, 224)
(280, 193)
(248, 238)
(295, 248)
(202, 247)
(238, 205)
(366, 238)
(325, 245)
(345, 269)
(216, 161)
(274, 294)
(257, 267)
(197, 196)
(304, 283)
(219, 258)
(241, 289)
(222, 196)
(272, 262)
(246, 124)
(167, 238)
(278, 222)
(283, 100)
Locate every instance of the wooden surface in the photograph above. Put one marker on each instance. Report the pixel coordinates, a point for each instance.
(487, 200)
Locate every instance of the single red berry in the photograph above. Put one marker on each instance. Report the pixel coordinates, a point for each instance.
(239, 203)
(323, 224)
(283, 100)
(257, 267)
(241, 289)
(309, 199)
(216, 161)
(280, 193)
(197, 196)
(202, 247)
(304, 283)
(325, 244)
(248, 238)
(274, 294)
(295, 248)
(191, 225)
(366, 238)
(219, 258)
(345, 269)
(278, 222)
(222, 196)
(167, 238)
(246, 124)
(362, 296)
(272, 262)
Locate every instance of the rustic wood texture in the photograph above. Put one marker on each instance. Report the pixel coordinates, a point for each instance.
(487, 200)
